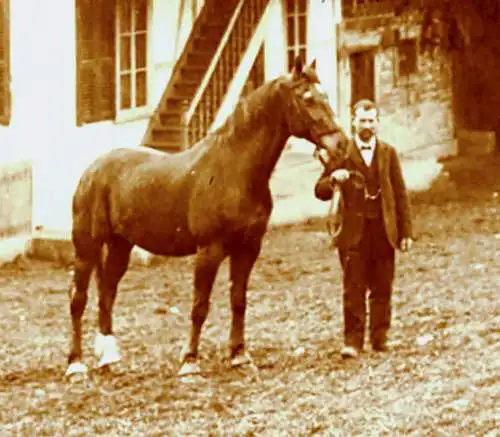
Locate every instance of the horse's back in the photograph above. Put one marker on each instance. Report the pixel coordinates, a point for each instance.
(118, 160)
(119, 163)
(140, 194)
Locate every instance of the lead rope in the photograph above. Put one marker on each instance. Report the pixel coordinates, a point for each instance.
(335, 217)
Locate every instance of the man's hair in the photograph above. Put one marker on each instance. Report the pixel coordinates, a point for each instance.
(366, 105)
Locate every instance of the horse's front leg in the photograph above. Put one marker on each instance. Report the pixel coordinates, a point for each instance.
(208, 260)
(242, 260)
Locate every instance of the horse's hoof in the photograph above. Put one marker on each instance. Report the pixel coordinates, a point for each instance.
(241, 360)
(185, 354)
(108, 359)
(76, 371)
(189, 368)
(107, 350)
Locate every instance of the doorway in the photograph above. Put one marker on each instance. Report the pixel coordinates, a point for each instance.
(362, 75)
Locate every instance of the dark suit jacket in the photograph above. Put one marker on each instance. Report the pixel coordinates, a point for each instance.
(394, 197)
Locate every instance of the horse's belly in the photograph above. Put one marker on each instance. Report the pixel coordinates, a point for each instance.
(176, 242)
(158, 230)
(173, 248)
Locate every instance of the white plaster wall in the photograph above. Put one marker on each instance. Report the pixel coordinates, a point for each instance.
(43, 53)
(321, 37)
(60, 150)
(275, 42)
(28, 119)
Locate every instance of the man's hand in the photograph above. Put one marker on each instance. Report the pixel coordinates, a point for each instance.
(406, 244)
(340, 175)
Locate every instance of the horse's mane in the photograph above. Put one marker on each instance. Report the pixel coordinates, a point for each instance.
(247, 114)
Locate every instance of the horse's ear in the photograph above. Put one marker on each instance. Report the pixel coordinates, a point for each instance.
(310, 72)
(297, 68)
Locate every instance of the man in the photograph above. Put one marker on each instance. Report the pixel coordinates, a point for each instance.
(376, 222)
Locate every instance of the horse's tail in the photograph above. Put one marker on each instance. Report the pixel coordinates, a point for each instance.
(90, 211)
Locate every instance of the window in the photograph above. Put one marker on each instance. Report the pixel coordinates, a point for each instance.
(296, 20)
(132, 51)
(407, 56)
(111, 58)
(4, 63)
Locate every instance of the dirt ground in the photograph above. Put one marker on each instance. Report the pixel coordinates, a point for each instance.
(440, 379)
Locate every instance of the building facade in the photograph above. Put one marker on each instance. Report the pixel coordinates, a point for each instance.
(81, 77)
(380, 57)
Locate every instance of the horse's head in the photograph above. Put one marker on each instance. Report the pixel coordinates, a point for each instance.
(309, 114)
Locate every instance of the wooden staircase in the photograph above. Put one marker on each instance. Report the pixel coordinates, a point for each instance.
(190, 102)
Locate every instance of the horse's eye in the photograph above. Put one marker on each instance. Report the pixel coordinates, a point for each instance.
(308, 96)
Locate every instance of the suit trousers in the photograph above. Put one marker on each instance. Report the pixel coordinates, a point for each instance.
(368, 266)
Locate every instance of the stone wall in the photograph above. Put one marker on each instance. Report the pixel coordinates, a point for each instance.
(416, 110)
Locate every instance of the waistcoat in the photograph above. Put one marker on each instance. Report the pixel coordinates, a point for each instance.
(373, 206)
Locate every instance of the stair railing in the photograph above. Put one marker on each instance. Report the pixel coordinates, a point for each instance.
(188, 116)
(215, 84)
(206, 9)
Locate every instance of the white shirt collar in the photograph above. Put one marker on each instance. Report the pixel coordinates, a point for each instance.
(360, 143)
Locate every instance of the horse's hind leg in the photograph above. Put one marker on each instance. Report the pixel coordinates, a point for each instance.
(86, 257)
(111, 268)
(242, 260)
(208, 260)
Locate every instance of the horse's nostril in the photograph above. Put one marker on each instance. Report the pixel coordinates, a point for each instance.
(211, 181)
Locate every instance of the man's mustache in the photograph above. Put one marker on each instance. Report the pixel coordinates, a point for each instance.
(367, 131)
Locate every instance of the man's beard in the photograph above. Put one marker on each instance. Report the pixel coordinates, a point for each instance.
(366, 134)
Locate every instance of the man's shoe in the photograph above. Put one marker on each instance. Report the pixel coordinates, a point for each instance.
(349, 352)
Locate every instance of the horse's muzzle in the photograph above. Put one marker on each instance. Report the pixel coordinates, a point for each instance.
(333, 143)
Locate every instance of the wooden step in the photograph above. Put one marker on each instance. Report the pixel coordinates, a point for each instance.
(199, 58)
(207, 43)
(168, 132)
(193, 72)
(173, 134)
(186, 87)
(212, 30)
(170, 118)
(175, 103)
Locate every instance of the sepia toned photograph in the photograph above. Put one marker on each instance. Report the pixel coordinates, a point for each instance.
(249, 218)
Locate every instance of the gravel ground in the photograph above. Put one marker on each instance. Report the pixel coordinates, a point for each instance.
(440, 379)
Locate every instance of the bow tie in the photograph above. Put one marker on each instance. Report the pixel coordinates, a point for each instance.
(365, 148)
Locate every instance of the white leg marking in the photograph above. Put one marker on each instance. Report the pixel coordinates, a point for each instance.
(241, 360)
(76, 367)
(189, 368)
(106, 349)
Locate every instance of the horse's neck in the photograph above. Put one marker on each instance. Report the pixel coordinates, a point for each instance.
(266, 148)
(261, 145)
(255, 135)
(255, 155)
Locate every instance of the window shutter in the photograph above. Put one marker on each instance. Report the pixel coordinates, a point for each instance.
(95, 29)
(5, 100)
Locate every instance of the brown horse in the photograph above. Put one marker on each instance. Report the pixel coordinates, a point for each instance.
(212, 200)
